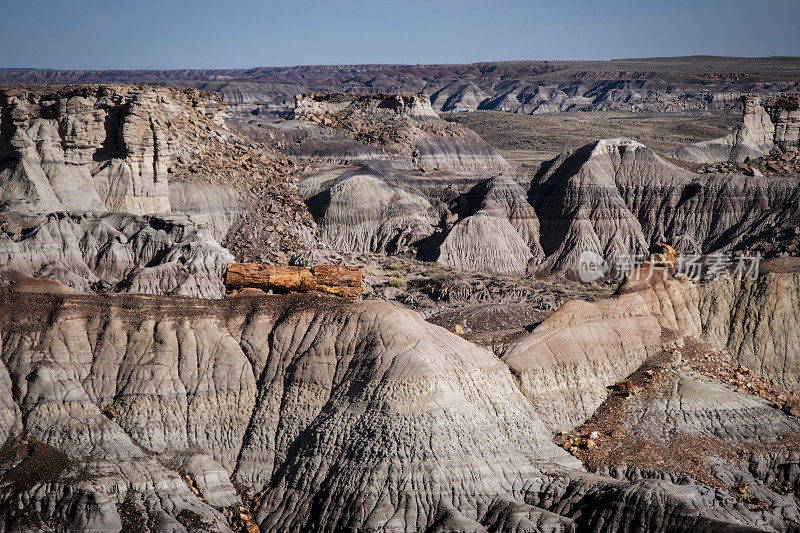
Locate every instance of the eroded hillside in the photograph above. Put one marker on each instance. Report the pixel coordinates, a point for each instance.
(612, 197)
(324, 414)
(663, 404)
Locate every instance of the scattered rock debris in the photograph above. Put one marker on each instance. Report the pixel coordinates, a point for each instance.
(614, 437)
(718, 366)
(776, 163)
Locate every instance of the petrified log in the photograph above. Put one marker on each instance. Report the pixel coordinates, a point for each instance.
(330, 279)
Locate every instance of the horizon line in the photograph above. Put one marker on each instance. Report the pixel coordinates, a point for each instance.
(499, 61)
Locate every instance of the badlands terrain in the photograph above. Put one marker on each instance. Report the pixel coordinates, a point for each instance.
(525, 87)
(477, 384)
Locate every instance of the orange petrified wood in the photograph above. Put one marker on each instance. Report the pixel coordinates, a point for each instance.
(330, 279)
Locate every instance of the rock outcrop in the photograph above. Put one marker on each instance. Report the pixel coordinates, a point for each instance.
(566, 363)
(467, 221)
(498, 233)
(613, 198)
(369, 209)
(673, 422)
(673, 413)
(581, 207)
(114, 252)
(317, 107)
(180, 184)
(254, 383)
(158, 411)
(767, 123)
(734, 319)
(401, 127)
(93, 148)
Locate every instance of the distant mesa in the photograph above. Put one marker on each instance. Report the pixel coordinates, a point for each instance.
(649, 85)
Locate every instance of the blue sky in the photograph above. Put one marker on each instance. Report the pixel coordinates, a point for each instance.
(95, 34)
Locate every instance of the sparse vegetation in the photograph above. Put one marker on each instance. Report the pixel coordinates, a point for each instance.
(396, 281)
(531, 139)
(497, 309)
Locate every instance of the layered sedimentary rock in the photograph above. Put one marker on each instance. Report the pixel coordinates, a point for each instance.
(367, 209)
(676, 423)
(767, 123)
(545, 93)
(114, 252)
(499, 234)
(785, 114)
(393, 203)
(581, 208)
(466, 221)
(672, 418)
(211, 206)
(614, 197)
(403, 128)
(345, 415)
(575, 91)
(248, 393)
(567, 362)
(639, 85)
(131, 411)
(757, 321)
(182, 182)
(319, 106)
(92, 148)
(392, 167)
